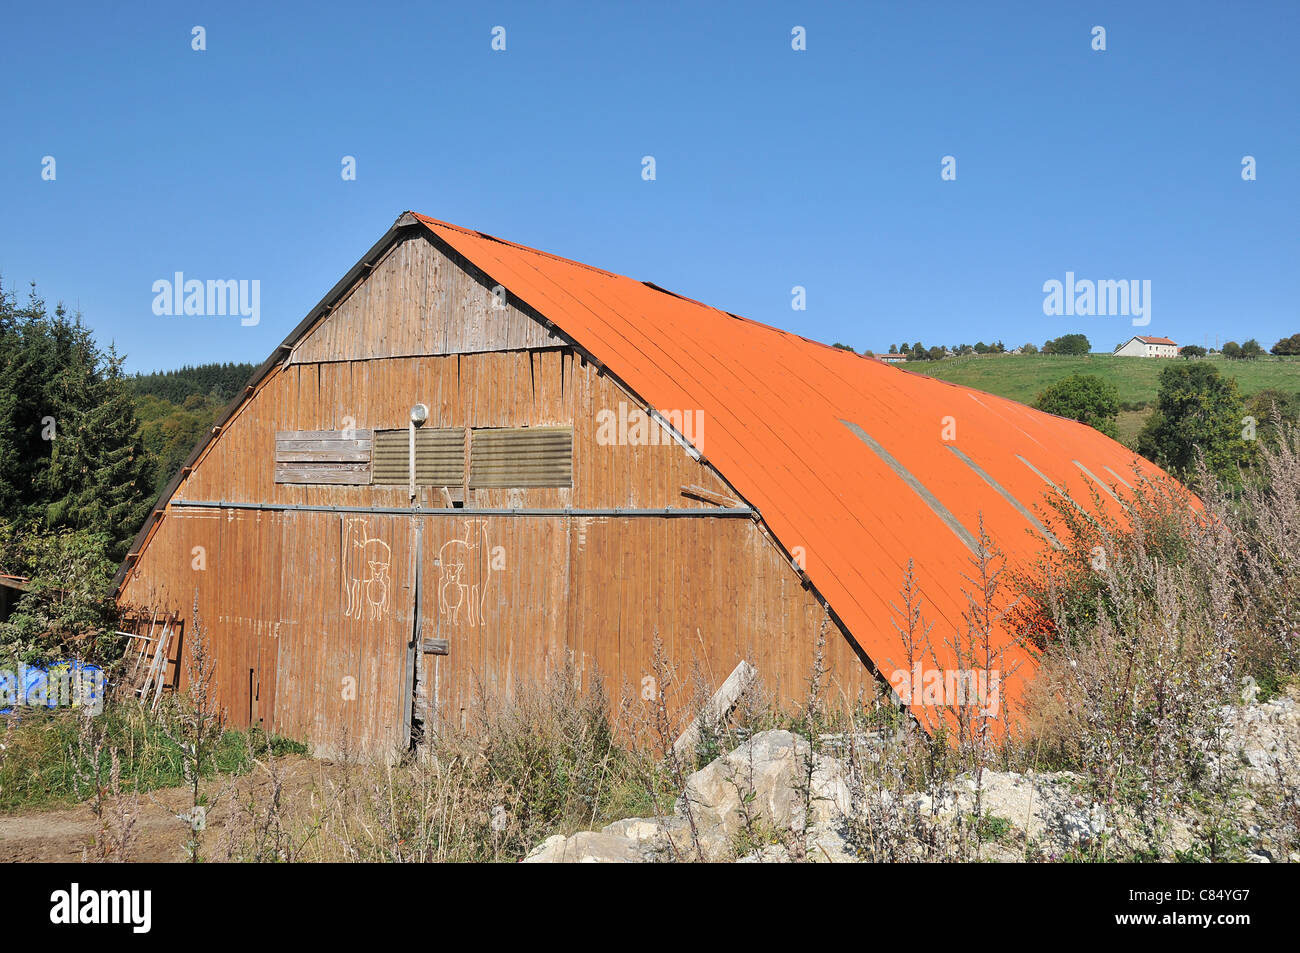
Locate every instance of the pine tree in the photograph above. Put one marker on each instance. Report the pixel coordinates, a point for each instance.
(98, 475)
(27, 359)
(70, 456)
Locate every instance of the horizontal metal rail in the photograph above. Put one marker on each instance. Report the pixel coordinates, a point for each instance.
(745, 512)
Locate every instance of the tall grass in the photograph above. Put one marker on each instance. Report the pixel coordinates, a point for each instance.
(43, 756)
(1148, 623)
(1151, 623)
(549, 759)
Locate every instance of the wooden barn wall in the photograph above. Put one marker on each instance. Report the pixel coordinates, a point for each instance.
(418, 302)
(271, 596)
(509, 389)
(713, 591)
(309, 613)
(291, 614)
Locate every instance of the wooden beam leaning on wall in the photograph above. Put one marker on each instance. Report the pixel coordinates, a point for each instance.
(722, 703)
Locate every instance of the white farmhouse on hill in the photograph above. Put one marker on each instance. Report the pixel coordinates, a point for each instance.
(1138, 346)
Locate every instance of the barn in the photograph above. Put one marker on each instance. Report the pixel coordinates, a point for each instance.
(473, 460)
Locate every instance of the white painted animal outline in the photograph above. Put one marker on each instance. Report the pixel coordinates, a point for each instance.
(457, 555)
(369, 589)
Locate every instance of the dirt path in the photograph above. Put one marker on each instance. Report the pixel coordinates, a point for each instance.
(157, 834)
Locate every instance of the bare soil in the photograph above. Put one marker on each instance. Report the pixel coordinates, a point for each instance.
(158, 835)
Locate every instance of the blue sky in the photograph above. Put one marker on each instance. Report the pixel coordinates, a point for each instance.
(775, 168)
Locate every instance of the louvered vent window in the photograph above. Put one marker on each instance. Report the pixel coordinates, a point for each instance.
(323, 456)
(521, 457)
(439, 457)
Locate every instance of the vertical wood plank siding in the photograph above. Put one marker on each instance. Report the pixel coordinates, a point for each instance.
(319, 606)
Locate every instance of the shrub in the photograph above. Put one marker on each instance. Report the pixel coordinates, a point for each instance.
(1197, 409)
(1085, 398)
(68, 609)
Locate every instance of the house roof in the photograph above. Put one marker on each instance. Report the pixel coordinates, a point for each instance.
(844, 457)
(1146, 340)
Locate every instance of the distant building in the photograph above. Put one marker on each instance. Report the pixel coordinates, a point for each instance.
(1139, 346)
(892, 358)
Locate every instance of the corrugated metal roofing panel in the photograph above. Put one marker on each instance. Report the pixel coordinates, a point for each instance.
(774, 403)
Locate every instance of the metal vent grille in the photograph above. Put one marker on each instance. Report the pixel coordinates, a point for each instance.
(521, 457)
(439, 457)
(339, 457)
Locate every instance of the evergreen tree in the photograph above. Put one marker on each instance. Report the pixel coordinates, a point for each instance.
(98, 476)
(70, 456)
(27, 359)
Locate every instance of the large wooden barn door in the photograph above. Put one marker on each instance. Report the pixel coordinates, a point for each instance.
(496, 603)
(345, 581)
(455, 588)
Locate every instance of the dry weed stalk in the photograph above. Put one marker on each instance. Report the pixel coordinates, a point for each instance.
(101, 785)
(194, 722)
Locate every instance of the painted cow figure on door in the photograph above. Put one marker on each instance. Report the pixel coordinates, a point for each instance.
(464, 568)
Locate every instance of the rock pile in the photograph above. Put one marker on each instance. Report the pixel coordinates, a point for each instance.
(773, 799)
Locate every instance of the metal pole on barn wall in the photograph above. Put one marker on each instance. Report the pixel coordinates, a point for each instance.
(419, 414)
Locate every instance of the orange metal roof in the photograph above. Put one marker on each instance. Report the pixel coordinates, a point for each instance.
(1155, 340)
(791, 424)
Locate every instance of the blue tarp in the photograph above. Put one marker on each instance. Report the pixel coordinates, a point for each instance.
(66, 684)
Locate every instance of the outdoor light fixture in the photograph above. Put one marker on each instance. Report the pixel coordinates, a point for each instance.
(419, 414)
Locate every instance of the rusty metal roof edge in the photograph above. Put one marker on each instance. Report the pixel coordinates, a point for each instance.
(432, 223)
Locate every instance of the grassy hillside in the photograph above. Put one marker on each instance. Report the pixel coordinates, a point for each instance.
(1022, 376)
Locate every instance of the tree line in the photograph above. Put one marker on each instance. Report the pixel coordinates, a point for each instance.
(218, 383)
(917, 351)
(70, 453)
(84, 450)
(1078, 344)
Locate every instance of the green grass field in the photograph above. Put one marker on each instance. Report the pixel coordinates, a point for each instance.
(1023, 376)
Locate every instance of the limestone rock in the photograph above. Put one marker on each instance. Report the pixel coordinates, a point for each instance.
(771, 783)
(1264, 741)
(586, 847)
